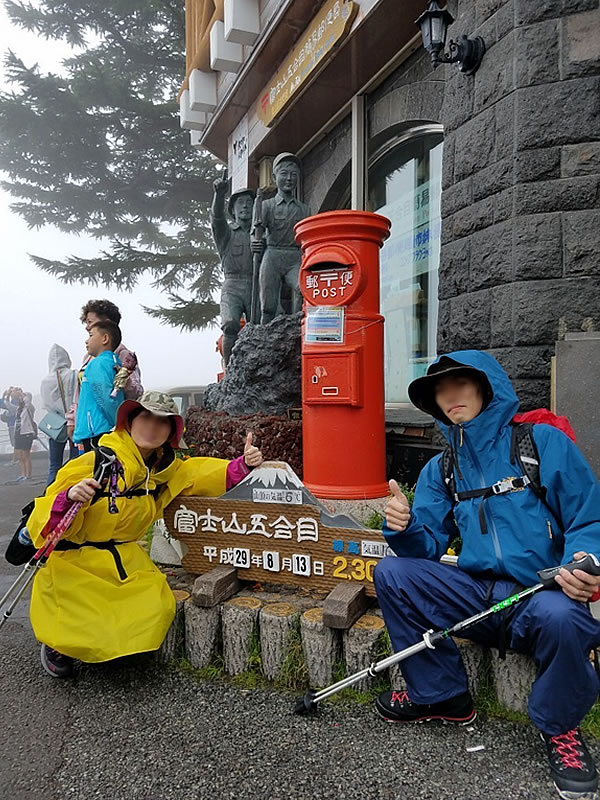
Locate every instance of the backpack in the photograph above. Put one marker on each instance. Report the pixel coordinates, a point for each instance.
(523, 453)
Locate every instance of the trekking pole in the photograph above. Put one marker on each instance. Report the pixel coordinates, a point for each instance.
(38, 560)
(308, 703)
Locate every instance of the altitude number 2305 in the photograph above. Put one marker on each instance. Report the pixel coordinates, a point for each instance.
(356, 570)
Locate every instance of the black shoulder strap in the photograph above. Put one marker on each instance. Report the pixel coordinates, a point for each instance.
(101, 452)
(128, 494)
(447, 468)
(524, 454)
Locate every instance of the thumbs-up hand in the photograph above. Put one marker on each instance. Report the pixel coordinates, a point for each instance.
(252, 455)
(397, 511)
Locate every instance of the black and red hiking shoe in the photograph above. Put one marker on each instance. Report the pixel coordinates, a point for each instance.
(55, 663)
(571, 764)
(398, 707)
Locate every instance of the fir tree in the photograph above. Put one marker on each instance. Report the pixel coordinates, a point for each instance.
(98, 150)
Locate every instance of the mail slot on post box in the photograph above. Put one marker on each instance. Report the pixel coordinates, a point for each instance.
(343, 401)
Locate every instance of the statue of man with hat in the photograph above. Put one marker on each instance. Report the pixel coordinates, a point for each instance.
(233, 245)
(280, 265)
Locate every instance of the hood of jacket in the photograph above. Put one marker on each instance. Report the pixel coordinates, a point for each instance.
(59, 363)
(500, 400)
(58, 358)
(158, 471)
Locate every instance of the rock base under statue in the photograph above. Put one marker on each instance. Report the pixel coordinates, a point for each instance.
(264, 371)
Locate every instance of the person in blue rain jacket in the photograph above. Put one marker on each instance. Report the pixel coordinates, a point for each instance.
(98, 398)
(506, 539)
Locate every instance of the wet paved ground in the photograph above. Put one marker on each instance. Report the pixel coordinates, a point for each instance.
(13, 497)
(133, 731)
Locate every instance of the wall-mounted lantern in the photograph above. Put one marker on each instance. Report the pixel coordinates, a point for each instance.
(467, 53)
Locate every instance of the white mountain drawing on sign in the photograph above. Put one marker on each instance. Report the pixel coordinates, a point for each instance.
(278, 474)
(272, 473)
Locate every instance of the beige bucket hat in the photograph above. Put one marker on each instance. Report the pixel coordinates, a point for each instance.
(159, 403)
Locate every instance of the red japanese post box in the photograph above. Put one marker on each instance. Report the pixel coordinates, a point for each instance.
(343, 402)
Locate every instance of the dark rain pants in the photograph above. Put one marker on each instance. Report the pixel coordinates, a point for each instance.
(416, 595)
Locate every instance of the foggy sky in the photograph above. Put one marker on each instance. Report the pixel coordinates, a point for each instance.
(38, 310)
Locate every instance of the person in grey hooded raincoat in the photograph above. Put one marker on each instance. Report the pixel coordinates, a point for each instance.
(57, 391)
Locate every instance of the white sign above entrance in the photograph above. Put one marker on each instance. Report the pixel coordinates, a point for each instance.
(238, 156)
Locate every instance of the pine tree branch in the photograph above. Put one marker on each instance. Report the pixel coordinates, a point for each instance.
(187, 315)
(98, 150)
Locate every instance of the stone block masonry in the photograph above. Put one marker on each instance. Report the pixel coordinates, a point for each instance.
(521, 191)
(520, 211)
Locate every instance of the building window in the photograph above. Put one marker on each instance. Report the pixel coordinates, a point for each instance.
(404, 184)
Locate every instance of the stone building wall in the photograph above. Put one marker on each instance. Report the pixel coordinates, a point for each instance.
(326, 169)
(521, 186)
(410, 96)
(520, 257)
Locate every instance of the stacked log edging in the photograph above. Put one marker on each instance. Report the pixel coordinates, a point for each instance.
(286, 641)
(174, 642)
(322, 647)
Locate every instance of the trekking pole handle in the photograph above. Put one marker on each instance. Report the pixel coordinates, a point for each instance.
(108, 459)
(588, 563)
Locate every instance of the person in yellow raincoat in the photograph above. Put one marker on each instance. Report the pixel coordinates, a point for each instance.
(100, 596)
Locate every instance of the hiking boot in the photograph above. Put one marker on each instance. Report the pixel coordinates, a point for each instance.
(55, 663)
(571, 765)
(398, 707)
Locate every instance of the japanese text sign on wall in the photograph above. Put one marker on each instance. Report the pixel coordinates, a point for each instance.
(238, 156)
(293, 540)
(327, 28)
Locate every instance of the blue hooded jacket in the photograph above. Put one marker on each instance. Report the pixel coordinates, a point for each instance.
(524, 534)
(97, 410)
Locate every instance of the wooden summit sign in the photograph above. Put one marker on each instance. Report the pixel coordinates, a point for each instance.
(272, 529)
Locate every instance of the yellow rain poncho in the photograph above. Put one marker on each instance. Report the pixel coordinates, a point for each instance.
(82, 604)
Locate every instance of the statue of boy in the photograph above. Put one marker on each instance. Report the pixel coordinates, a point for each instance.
(233, 245)
(281, 261)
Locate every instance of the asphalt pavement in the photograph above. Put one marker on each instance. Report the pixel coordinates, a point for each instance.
(132, 730)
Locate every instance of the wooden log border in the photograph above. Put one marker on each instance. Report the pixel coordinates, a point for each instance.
(241, 623)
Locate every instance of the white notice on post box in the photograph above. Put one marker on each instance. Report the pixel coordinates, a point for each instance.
(324, 324)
